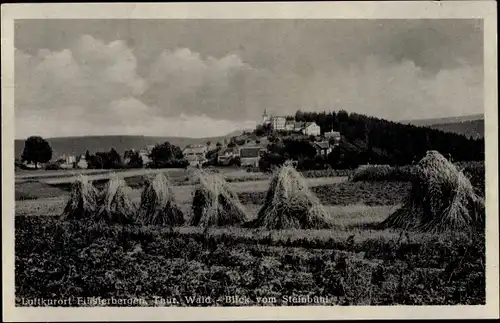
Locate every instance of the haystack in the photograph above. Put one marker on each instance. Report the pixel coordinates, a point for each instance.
(442, 198)
(289, 203)
(158, 206)
(83, 200)
(117, 207)
(214, 204)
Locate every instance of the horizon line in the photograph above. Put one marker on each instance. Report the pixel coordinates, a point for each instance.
(188, 137)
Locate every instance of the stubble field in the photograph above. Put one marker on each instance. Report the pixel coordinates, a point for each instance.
(353, 263)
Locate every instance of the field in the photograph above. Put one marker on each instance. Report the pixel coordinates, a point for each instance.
(353, 263)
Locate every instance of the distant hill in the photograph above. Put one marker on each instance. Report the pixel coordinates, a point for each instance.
(78, 145)
(474, 128)
(435, 121)
(469, 126)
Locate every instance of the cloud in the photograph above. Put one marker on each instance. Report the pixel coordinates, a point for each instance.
(398, 91)
(181, 81)
(185, 82)
(97, 87)
(94, 88)
(126, 116)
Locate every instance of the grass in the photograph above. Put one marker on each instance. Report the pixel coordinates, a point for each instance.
(343, 194)
(35, 190)
(369, 193)
(40, 189)
(75, 260)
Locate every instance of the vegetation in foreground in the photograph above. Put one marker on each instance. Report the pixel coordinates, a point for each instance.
(86, 257)
(80, 259)
(368, 193)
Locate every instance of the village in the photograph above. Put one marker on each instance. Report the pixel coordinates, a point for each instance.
(244, 153)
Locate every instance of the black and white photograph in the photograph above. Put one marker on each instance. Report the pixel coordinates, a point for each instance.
(251, 161)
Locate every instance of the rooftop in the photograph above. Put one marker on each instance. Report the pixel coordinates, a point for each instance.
(250, 152)
(195, 150)
(323, 144)
(332, 134)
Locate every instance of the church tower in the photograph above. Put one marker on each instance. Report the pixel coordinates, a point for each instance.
(265, 118)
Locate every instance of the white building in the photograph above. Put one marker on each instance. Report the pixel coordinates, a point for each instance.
(278, 123)
(289, 125)
(82, 163)
(67, 159)
(144, 154)
(195, 150)
(312, 129)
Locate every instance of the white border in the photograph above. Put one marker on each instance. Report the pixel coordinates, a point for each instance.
(305, 10)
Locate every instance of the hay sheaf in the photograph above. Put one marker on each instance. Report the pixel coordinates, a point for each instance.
(442, 198)
(116, 206)
(158, 206)
(289, 203)
(215, 204)
(83, 200)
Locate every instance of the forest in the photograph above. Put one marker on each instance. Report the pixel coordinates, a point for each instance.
(372, 140)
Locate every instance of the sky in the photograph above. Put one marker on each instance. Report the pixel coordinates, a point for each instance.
(203, 78)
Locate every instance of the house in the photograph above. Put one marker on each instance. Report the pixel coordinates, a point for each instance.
(298, 126)
(144, 154)
(195, 155)
(198, 150)
(66, 162)
(278, 123)
(82, 163)
(225, 156)
(250, 156)
(66, 159)
(311, 129)
(195, 160)
(333, 136)
(31, 165)
(323, 148)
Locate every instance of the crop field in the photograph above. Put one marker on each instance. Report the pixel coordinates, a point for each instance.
(354, 262)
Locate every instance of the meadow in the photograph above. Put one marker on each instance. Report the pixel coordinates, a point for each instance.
(355, 262)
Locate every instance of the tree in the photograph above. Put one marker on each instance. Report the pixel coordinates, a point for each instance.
(115, 158)
(134, 160)
(165, 153)
(263, 130)
(128, 154)
(36, 150)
